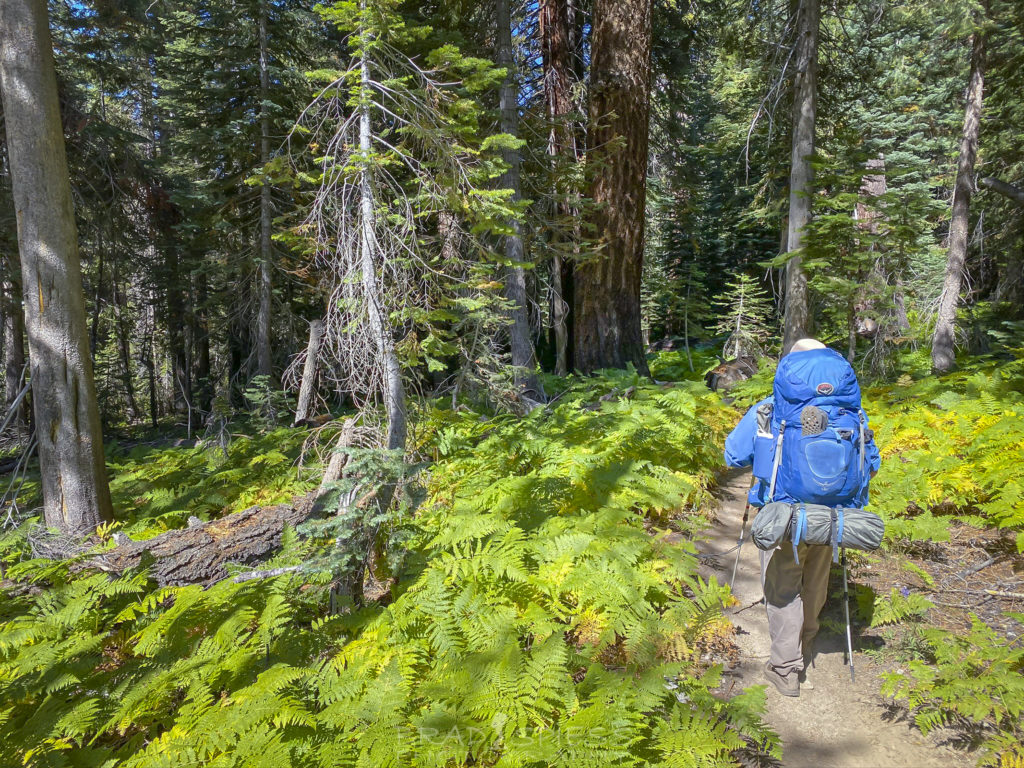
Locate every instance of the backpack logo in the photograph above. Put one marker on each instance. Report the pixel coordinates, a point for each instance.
(825, 389)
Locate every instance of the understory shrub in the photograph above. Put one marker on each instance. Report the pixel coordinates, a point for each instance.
(542, 619)
(974, 682)
(951, 446)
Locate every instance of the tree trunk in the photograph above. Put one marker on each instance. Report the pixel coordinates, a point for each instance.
(524, 360)
(97, 298)
(201, 354)
(124, 345)
(264, 357)
(606, 310)
(14, 343)
(76, 497)
(556, 54)
(181, 376)
(309, 372)
(944, 339)
(394, 388)
(801, 175)
(149, 361)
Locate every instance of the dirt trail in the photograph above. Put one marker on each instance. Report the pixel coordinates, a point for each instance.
(838, 724)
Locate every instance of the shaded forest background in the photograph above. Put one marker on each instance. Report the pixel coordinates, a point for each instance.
(186, 166)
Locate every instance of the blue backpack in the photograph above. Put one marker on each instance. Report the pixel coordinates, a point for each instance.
(811, 447)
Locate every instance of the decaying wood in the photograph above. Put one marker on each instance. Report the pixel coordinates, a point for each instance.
(340, 457)
(201, 554)
(309, 373)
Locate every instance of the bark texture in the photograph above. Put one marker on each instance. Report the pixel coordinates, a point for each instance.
(801, 175)
(944, 338)
(201, 553)
(309, 372)
(75, 493)
(556, 55)
(524, 360)
(606, 309)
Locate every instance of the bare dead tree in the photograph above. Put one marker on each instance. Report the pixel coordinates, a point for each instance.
(387, 167)
(943, 339)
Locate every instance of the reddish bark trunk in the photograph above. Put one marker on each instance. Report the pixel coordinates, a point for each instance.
(606, 322)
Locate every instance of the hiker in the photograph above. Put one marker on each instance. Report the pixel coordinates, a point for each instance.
(795, 580)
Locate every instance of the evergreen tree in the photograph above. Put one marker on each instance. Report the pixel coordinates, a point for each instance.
(745, 314)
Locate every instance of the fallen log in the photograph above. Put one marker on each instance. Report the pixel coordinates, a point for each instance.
(201, 554)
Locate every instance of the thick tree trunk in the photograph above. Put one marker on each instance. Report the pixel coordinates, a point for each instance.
(309, 372)
(801, 175)
(556, 53)
(944, 339)
(524, 360)
(606, 310)
(264, 357)
(76, 497)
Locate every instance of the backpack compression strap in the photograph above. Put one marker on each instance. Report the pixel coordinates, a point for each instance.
(778, 458)
(800, 530)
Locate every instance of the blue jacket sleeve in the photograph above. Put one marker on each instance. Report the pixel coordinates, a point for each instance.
(739, 445)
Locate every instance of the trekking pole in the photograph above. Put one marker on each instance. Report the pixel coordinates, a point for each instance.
(743, 531)
(846, 603)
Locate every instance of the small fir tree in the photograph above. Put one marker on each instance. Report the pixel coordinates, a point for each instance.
(747, 316)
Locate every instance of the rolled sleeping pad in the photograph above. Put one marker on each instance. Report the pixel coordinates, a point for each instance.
(816, 524)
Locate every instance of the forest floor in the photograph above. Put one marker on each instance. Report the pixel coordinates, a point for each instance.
(838, 724)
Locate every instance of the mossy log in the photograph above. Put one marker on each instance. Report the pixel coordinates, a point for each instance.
(201, 553)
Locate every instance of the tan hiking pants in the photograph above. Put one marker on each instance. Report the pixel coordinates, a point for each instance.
(794, 595)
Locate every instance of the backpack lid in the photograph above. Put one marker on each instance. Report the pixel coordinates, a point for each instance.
(820, 377)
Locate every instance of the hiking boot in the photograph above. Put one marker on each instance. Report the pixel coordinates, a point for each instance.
(788, 685)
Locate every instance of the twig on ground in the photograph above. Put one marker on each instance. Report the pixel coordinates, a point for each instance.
(265, 574)
(975, 568)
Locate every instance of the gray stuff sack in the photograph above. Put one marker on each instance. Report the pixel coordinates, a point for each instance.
(816, 524)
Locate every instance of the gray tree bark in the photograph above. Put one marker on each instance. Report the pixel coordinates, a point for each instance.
(944, 338)
(524, 360)
(264, 356)
(309, 371)
(801, 176)
(76, 497)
